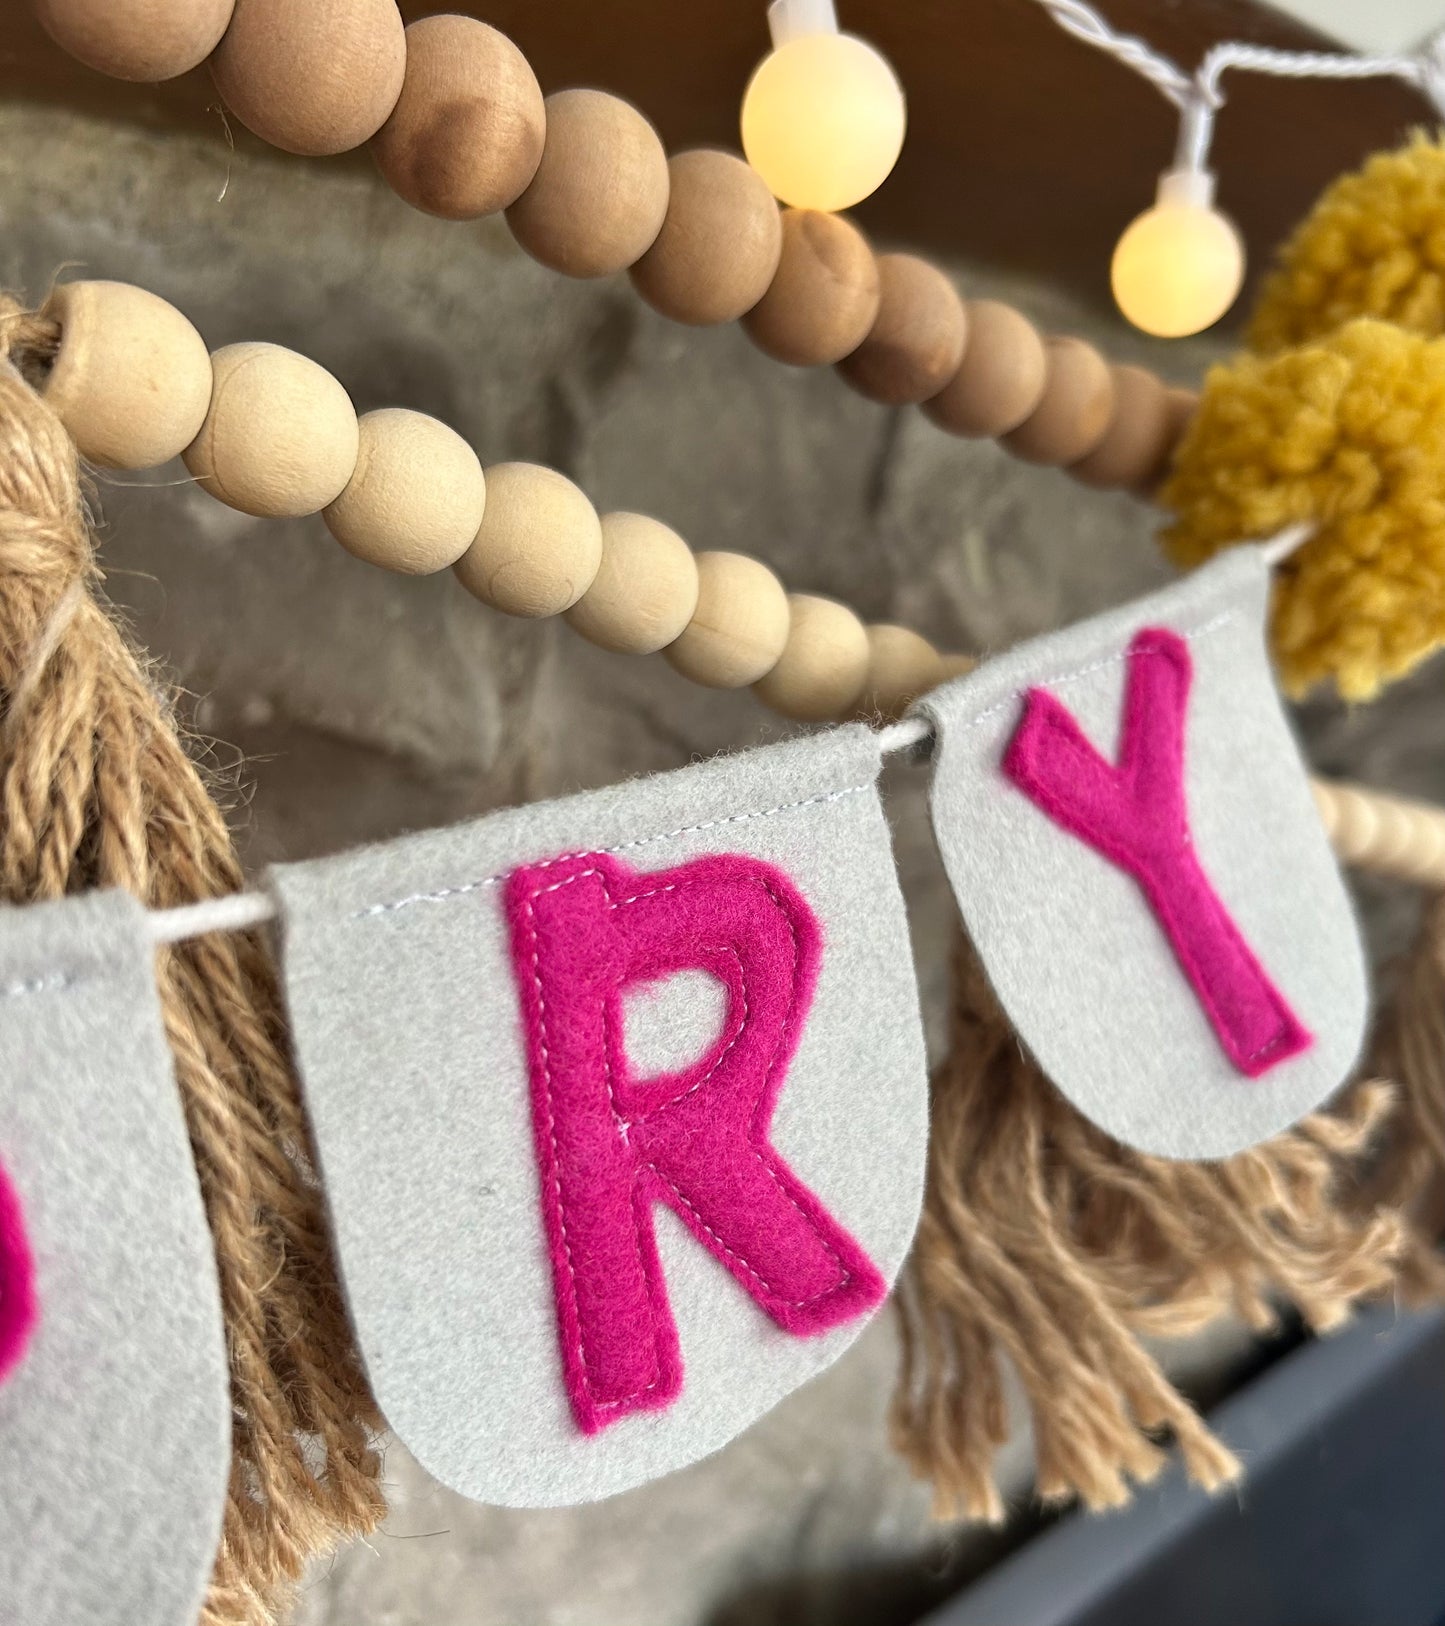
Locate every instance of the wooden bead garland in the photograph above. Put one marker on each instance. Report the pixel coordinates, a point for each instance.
(466, 134)
(1000, 380)
(901, 666)
(916, 343)
(599, 197)
(740, 627)
(720, 242)
(1139, 437)
(820, 675)
(416, 499)
(824, 299)
(606, 157)
(645, 590)
(280, 437)
(539, 546)
(132, 378)
(141, 40)
(312, 76)
(1073, 415)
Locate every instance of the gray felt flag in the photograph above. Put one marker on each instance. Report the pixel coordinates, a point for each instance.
(114, 1403)
(1127, 824)
(620, 1103)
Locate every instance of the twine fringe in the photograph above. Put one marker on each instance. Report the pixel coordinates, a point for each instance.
(97, 790)
(1047, 1245)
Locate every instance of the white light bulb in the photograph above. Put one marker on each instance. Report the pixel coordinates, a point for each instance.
(1180, 265)
(824, 115)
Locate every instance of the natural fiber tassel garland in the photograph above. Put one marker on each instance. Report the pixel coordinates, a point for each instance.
(1047, 1244)
(98, 791)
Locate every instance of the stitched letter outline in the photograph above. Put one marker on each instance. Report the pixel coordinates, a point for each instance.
(610, 1145)
(18, 1309)
(1135, 813)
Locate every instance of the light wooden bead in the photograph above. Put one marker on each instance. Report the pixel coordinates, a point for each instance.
(132, 378)
(417, 496)
(1180, 405)
(644, 593)
(917, 339)
(1138, 437)
(956, 666)
(280, 438)
(740, 626)
(539, 546)
(824, 664)
(141, 40)
(720, 241)
(312, 76)
(1000, 380)
(599, 197)
(1073, 416)
(901, 667)
(465, 137)
(824, 298)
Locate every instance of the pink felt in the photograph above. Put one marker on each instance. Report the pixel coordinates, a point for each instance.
(1135, 813)
(19, 1306)
(584, 929)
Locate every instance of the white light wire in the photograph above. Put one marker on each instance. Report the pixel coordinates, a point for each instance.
(1199, 96)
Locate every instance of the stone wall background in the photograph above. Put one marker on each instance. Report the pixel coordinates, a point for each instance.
(362, 705)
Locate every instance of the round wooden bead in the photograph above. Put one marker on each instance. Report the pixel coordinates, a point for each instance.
(917, 339)
(824, 664)
(720, 242)
(539, 546)
(280, 438)
(599, 197)
(823, 299)
(901, 666)
(465, 136)
(645, 592)
(740, 626)
(132, 378)
(416, 498)
(312, 76)
(1138, 437)
(1078, 402)
(142, 40)
(1180, 405)
(1000, 380)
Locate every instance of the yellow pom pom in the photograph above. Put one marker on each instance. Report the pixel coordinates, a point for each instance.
(1348, 432)
(1374, 245)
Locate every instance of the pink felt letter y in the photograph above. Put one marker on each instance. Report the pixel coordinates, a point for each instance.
(1136, 815)
(18, 1307)
(610, 1145)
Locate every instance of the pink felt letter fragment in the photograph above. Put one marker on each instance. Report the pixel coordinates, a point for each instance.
(1135, 814)
(610, 1145)
(18, 1308)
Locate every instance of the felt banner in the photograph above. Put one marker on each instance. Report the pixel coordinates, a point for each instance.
(620, 1102)
(114, 1401)
(1129, 829)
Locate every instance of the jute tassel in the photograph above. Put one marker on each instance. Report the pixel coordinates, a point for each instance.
(1411, 1047)
(1046, 1243)
(96, 790)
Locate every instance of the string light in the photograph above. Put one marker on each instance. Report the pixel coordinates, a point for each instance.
(1180, 265)
(823, 116)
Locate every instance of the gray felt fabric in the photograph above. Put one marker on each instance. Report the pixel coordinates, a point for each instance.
(1069, 943)
(115, 1428)
(405, 1016)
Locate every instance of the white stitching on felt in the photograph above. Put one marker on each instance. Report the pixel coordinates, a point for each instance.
(446, 893)
(1085, 671)
(40, 985)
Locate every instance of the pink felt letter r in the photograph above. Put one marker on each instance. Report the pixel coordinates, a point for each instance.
(1135, 814)
(610, 1145)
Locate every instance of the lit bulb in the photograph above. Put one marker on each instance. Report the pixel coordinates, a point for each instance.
(823, 116)
(1179, 265)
